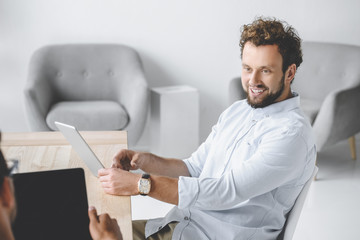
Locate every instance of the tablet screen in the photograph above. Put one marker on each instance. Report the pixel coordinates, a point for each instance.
(51, 205)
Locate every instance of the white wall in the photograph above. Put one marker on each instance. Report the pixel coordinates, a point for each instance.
(180, 41)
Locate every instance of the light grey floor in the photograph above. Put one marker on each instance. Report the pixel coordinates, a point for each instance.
(332, 209)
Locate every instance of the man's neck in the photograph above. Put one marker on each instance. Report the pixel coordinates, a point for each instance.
(286, 95)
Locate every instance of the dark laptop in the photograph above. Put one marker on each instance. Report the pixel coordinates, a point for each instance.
(51, 205)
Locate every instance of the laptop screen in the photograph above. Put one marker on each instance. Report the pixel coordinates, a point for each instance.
(51, 205)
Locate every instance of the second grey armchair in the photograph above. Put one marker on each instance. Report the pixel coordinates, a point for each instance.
(90, 86)
(328, 82)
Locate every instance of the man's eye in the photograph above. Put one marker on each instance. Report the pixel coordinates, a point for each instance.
(265, 71)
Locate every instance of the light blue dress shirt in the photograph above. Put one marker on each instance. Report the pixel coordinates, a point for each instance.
(246, 176)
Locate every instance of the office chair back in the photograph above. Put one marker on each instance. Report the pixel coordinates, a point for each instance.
(294, 215)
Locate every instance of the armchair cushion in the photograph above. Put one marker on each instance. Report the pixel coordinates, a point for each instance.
(88, 115)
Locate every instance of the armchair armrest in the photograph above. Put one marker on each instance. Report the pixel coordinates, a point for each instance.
(134, 96)
(338, 118)
(38, 95)
(236, 91)
(137, 106)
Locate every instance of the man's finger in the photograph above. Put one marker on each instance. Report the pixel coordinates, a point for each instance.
(104, 217)
(114, 221)
(109, 190)
(119, 154)
(125, 164)
(105, 185)
(133, 163)
(115, 165)
(103, 179)
(93, 214)
(103, 172)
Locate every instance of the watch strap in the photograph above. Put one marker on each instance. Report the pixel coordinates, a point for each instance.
(145, 175)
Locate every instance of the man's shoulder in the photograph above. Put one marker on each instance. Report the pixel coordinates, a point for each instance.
(291, 123)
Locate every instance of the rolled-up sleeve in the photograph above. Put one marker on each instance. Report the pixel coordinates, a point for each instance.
(197, 160)
(195, 163)
(280, 158)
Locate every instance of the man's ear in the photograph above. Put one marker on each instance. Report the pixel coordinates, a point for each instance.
(290, 73)
(7, 194)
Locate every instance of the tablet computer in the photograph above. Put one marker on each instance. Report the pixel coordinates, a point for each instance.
(51, 205)
(80, 147)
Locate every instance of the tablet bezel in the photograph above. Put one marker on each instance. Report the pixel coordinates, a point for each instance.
(80, 146)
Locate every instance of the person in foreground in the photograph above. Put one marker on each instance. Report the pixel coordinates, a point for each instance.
(101, 227)
(244, 179)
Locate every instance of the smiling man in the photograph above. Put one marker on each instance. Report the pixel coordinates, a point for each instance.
(270, 57)
(244, 179)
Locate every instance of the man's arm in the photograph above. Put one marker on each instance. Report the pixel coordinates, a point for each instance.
(164, 172)
(116, 181)
(150, 163)
(164, 175)
(278, 160)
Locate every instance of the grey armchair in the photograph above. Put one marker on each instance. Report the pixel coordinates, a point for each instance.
(328, 82)
(90, 86)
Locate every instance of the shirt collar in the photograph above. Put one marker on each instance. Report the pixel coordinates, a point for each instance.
(283, 106)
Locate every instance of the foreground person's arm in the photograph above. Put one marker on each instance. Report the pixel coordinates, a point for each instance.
(103, 227)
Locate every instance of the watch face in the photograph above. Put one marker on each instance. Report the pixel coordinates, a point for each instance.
(144, 186)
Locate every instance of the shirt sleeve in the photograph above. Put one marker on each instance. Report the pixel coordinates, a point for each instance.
(279, 159)
(197, 160)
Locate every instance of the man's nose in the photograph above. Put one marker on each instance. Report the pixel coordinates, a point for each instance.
(254, 79)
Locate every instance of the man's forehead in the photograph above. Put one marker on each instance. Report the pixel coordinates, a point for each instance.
(261, 56)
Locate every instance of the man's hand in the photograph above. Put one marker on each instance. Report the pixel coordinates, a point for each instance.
(150, 163)
(116, 181)
(126, 160)
(103, 227)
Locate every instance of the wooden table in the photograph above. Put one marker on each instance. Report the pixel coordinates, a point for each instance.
(37, 151)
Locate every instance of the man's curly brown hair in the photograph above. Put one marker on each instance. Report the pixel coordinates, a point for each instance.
(266, 31)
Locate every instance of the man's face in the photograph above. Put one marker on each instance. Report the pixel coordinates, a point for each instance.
(262, 77)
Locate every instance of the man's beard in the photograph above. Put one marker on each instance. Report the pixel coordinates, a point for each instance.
(270, 99)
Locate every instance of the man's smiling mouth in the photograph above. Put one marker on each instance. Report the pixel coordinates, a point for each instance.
(257, 91)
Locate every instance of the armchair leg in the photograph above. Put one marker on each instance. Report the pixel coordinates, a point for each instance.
(352, 147)
(315, 177)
